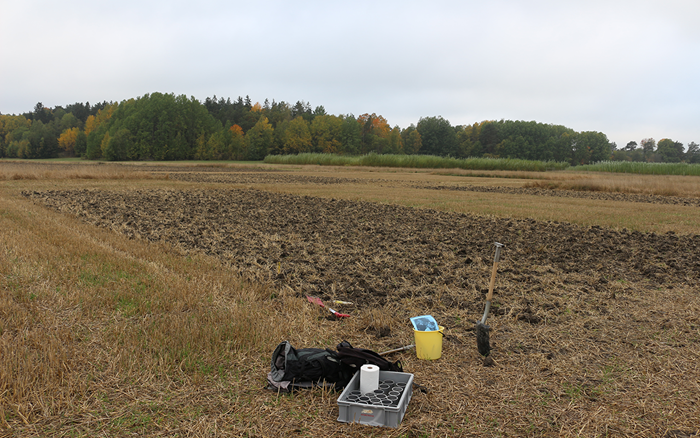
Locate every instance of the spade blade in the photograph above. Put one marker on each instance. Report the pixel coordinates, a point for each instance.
(482, 339)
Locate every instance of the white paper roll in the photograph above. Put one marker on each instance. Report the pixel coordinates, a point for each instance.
(369, 378)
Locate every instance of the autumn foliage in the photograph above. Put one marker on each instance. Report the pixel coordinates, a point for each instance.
(161, 126)
(67, 140)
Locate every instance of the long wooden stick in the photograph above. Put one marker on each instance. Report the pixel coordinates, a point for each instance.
(492, 283)
(489, 296)
(395, 350)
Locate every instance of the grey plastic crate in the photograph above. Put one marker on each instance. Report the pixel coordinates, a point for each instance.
(376, 412)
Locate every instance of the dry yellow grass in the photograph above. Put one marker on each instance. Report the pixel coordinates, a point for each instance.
(27, 170)
(664, 185)
(100, 328)
(104, 336)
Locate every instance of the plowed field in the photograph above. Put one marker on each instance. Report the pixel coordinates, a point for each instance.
(373, 253)
(240, 177)
(595, 330)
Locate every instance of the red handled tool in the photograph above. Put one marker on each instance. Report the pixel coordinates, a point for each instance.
(316, 300)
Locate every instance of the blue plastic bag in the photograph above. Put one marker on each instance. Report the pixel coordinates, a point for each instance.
(424, 323)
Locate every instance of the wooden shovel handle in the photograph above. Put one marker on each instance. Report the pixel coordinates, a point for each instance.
(489, 297)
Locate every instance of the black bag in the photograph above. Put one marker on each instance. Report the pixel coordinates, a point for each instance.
(354, 358)
(307, 367)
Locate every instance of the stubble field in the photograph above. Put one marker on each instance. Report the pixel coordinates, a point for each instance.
(174, 289)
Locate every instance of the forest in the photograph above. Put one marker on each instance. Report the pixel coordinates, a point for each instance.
(161, 126)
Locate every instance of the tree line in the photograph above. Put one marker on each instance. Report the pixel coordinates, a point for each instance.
(665, 151)
(160, 126)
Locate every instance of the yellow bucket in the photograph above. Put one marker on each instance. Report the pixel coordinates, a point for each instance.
(429, 344)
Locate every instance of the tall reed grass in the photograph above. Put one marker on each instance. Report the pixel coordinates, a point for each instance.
(417, 161)
(642, 168)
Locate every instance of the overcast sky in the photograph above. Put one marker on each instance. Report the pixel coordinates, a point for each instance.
(629, 69)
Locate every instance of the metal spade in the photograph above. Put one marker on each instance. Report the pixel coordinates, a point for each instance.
(482, 330)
